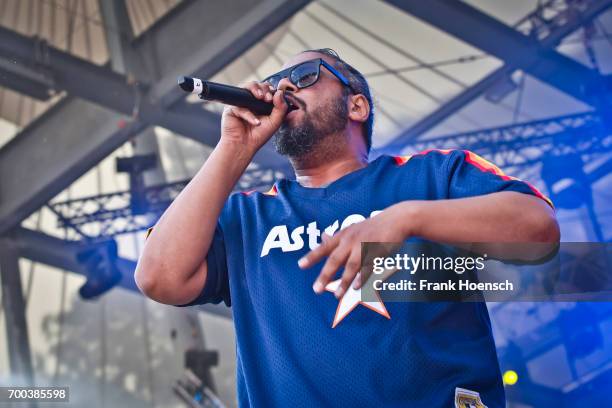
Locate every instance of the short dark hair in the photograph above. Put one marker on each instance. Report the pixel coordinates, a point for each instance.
(359, 85)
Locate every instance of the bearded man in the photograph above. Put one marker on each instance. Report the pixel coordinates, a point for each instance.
(273, 256)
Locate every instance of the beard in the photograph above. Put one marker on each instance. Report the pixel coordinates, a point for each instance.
(301, 139)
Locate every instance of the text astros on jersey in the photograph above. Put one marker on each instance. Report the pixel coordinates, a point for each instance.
(287, 352)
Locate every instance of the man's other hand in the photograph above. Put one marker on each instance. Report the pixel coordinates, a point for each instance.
(344, 249)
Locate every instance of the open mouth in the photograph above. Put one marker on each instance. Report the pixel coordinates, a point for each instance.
(292, 104)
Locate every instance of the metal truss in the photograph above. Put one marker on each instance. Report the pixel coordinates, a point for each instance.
(529, 45)
(115, 110)
(551, 15)
(525, 144)
(103, 216)
(517, 147)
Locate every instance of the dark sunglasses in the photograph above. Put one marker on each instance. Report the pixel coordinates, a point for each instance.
(306, 74)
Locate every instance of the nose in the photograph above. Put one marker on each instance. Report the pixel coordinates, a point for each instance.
(286, 85)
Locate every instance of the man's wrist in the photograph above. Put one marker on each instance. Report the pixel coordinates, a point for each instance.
(239, 153)
(409, 216)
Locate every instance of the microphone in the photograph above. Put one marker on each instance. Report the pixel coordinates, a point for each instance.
(227, 94)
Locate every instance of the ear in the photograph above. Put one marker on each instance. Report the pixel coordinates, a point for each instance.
(359, 108)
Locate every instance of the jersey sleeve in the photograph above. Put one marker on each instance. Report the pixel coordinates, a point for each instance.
(471, 175)
(216, 286)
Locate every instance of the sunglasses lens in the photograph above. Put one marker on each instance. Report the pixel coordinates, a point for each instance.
(273, 80)
(305, 75)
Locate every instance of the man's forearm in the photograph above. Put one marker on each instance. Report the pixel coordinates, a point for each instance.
(182, 236)
(488, 220)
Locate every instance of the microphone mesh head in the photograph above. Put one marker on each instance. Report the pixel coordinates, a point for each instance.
(186, 83)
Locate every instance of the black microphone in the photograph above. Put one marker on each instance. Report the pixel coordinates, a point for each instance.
(227, 94)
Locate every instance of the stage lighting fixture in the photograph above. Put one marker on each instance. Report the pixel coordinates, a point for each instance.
(510, 377)
(199, 362)
(195, 393)
(99, 261)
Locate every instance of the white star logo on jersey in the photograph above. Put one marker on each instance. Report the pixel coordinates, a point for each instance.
(351, 299)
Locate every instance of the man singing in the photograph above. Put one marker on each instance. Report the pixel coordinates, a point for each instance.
(277, 257)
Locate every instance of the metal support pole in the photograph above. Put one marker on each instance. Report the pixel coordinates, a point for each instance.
(14, 311)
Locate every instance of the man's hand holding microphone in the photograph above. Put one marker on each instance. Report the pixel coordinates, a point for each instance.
(243, 130)
(172, 268)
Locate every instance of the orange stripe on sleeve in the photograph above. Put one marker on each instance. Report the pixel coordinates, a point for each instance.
(401, 160)
(488, 167)
(272, 192)
(443, 151)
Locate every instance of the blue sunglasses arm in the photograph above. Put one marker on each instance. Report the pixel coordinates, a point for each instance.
(337, 73)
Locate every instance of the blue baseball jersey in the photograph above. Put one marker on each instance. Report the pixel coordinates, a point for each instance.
(291, 349)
